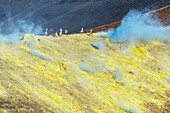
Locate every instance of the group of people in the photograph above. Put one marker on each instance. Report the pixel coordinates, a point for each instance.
(91, 31)
(56, 33)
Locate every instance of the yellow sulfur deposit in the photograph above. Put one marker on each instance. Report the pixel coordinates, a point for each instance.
(72, 75)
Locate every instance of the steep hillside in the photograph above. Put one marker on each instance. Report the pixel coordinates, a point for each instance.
(79, 73)
(72, 14)
(163, 15)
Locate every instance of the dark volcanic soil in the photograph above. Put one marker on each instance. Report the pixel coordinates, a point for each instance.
(73, 14)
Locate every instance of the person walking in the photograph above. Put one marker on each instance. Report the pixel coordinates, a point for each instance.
(66, 32)
(46, 32)
(51, 32)
(55, 30)
(60, 32)
(91, 32)
(56, 34)
(81, 30)
(43, 32)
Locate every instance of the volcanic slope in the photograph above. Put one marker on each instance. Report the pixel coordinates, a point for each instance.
(81, 73)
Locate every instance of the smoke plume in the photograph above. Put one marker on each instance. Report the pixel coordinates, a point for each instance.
(138, 26)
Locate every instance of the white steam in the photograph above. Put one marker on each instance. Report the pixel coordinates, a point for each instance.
(12, 32)
(138, 26)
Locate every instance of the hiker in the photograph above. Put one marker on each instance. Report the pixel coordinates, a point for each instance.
(91, 32)
(56, 34)
(46, 32)
(60, 32)
(51, 31)
(43, 32)
(55, 30)
(81, 30)
(66, 32)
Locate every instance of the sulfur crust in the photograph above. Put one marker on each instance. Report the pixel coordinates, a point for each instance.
(63, 85)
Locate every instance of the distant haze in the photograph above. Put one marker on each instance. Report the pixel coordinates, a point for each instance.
(72, 14)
